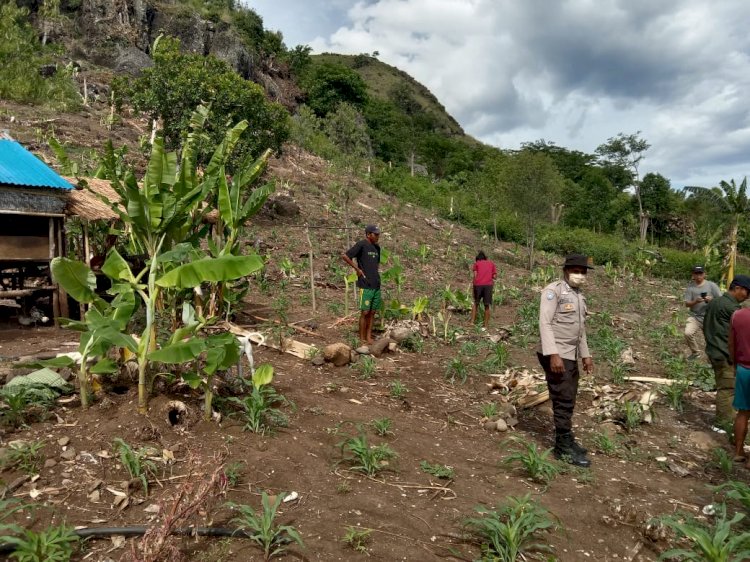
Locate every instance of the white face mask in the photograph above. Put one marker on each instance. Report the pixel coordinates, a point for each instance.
(576, 279)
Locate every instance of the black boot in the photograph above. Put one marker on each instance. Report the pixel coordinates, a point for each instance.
(565, 450)
(577, 446)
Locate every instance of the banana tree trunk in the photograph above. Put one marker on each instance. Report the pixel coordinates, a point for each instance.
(732, 251)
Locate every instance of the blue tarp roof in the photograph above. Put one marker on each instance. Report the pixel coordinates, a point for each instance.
(20, 167)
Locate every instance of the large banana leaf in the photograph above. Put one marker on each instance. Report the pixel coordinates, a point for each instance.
(115, 267)
(223, 352)
(255, 201)
(180, 352)
(77, 280)
(227, 208)
(225, 148)
(210, 270)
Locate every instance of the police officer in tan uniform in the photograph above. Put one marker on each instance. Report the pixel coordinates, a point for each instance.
(562, 315)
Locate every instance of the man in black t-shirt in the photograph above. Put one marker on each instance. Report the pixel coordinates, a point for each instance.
(367, 254)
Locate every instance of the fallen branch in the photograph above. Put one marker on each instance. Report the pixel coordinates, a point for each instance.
(343, 319)
(655, 380)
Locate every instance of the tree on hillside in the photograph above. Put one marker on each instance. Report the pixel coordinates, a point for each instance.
(628, 151)
(347, 130)
(589, 202)
(177, 83)
(533, 185)
(329, 84)
(733, 202)
(658, 201)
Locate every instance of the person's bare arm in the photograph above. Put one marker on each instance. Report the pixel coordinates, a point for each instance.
(351, 263)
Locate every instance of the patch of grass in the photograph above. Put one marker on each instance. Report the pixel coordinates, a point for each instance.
(357, 539)
(397, 389)
(366, 366)
(343, 487)
(457, 369)
(535, 463)
(721, 460)
(234, 472)
(716, 543)
(135, 462)
(25, 456)
(441, 471)
(631, 414)
(606, 444)
(498, 359)
(510, 532)
(366, 458)
(469, 348)
(260, 525)
(414, 343)
(382, 426)
(488, 409)
(22, 404)
(54, 544)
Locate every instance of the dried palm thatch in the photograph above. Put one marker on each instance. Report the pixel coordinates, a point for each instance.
(85, 200)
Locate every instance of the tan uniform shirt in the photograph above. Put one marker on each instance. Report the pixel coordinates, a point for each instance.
(562, 314)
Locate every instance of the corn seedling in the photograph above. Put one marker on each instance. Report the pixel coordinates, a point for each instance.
(357, 539)
(366, 458)
(419, 307)
(734, 490)
(397, 389)
(135, 462)
(469, 349)
(54, 544)
(287, 267)
(343, 487)
(488, 409)
(457, 369)
(716, 543)
(382, 426)
(722, 460)
(535, 463)
(366, 366)
(9, 508)
(438, 470)
(511, 531)
(261, 527)
(25, 456)
(233, 472)
(259, 406)
(675, 394)
(631, 414)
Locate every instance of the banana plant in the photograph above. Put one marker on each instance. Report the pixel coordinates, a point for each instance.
(103, 325)
(419, 307)
(217, 352)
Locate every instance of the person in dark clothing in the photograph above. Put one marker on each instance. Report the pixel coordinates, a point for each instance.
(716, 333)
(562, 316)
(484, 277)
(367, 254)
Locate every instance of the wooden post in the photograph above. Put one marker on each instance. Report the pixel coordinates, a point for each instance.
(62, 295)
(312, 271)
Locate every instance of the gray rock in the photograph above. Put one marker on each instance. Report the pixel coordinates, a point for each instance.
(703, 441)
(49, 463)
(68, 454)
(491, 425)
(318, 360)
(401, 334)
(63, 441)
(501, 425)
(363, 350)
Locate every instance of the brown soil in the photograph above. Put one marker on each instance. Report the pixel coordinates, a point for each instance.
(413, 515)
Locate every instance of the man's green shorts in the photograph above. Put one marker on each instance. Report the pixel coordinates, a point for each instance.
(369, 299)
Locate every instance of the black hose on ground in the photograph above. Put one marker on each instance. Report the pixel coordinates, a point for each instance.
(138, 530)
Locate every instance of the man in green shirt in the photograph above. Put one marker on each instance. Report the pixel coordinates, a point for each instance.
(716, 331)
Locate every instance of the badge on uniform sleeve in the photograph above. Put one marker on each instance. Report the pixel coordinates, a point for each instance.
(550, 295)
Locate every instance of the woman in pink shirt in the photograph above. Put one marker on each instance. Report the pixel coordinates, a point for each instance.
(484, 278)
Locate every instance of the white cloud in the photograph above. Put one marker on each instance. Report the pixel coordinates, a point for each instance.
(575, 72)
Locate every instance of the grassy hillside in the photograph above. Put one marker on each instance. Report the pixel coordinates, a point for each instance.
(383, 79)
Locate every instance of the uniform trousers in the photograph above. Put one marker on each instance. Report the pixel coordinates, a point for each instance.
(724, 373)
(563, 389)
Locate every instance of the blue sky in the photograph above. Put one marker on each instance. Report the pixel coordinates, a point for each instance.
(574, 72)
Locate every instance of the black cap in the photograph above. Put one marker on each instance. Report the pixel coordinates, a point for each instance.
(371, 228)
(741, 281)
(577, 260)
(698, 269)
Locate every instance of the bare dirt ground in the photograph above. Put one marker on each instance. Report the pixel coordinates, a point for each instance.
(413, 516)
